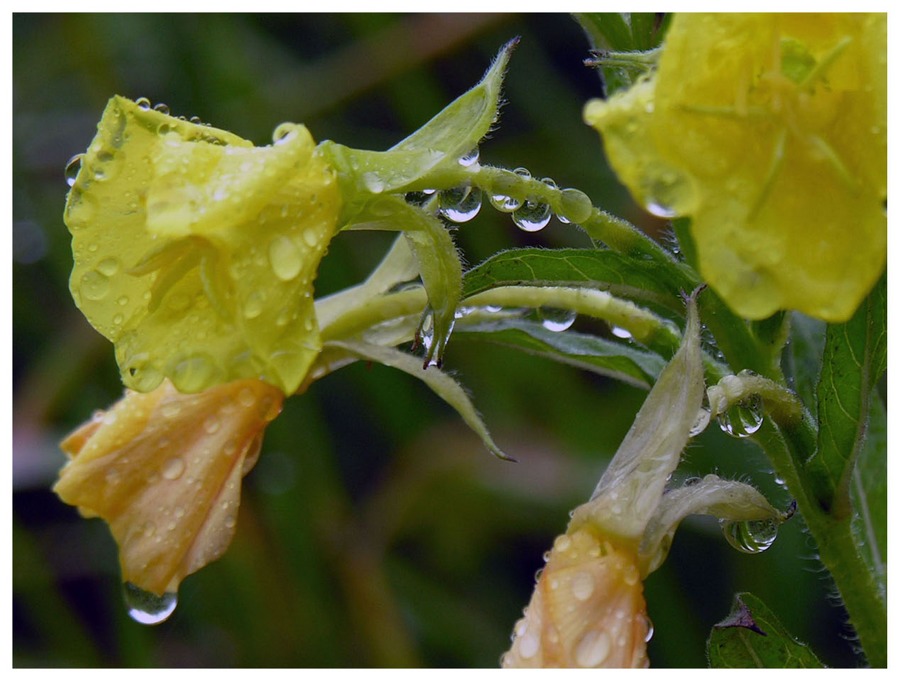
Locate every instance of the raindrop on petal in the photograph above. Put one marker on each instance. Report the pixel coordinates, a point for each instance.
(72, 168)
(147, 608)
(143, 103)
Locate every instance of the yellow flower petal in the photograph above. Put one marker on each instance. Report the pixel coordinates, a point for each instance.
(587, 609)
(164, 470)
(770, 132)
(195, 252)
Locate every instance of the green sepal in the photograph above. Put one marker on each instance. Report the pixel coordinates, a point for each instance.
(443, 385)
(438, 262)
(429, 158)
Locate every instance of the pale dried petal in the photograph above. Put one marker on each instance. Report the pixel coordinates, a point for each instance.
(164, 470)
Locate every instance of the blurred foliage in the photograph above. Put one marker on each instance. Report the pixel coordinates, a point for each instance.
(375, 530)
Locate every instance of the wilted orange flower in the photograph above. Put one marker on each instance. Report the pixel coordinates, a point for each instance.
(164, 470)
(587, 609)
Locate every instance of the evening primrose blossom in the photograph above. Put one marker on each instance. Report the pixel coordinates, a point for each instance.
(195, 252)
(588, 608)
(164, 470)
(770, 132)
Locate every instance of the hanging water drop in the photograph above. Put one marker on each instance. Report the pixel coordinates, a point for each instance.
(750, 536)
(148, 608)
(283, 132)
(700, 424)
(574, 206)
(460, 204)
(469, 159)
(505, 204)
(419, 198)
(620, 332)
(742, 419)
(72, 168)
(532, 216)
(557, 320)
(660, 210)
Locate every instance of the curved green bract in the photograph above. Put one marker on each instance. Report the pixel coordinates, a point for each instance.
(195, 252)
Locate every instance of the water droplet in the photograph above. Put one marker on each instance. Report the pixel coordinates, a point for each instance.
(528, 644)
(532, 216)
(660, 210)
(173, 468)
(108, 266)
(583, 585)
(742, 419)
(161, 108)
(285, 257)
(460, 204)
(94, 285)
(193, 373)
(592, 649)
(419, 198)
(574, 206)
(72, 168)
(620, 332)
(212, 424)
(284, 132)
(254, 304)
(147, 608)
(700, 424)
(750, 536)
(650, 629)
(143, 103)
(469, 159)
(556, 320)
(373, 182)
(505, 204)
(247, 397)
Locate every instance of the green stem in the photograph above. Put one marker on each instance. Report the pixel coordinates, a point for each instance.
(787, 445)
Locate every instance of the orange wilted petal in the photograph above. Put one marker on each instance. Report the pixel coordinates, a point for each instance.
(164, 470)
(587, 609)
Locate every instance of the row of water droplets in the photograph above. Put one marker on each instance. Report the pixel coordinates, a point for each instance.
(461, 204)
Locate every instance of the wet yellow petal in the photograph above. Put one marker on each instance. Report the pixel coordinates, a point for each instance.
(587, 609)
(770, 132)
(195, 252)
(164, 470)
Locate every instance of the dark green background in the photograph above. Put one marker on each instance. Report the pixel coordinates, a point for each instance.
(375, 530)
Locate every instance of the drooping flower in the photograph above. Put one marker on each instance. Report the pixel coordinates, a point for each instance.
(195, 252)
(588, 608)
(770, 132)
(164, 470)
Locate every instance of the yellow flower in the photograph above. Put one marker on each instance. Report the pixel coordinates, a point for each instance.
(164, 470)
(195, 252)
(770, 132)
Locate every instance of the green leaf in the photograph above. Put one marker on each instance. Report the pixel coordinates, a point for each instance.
(639, 280)
(443, 385)
(751, 636)
(803, 360)
(623, 363)
(855, 357)
(868, 492)
(607, 30)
